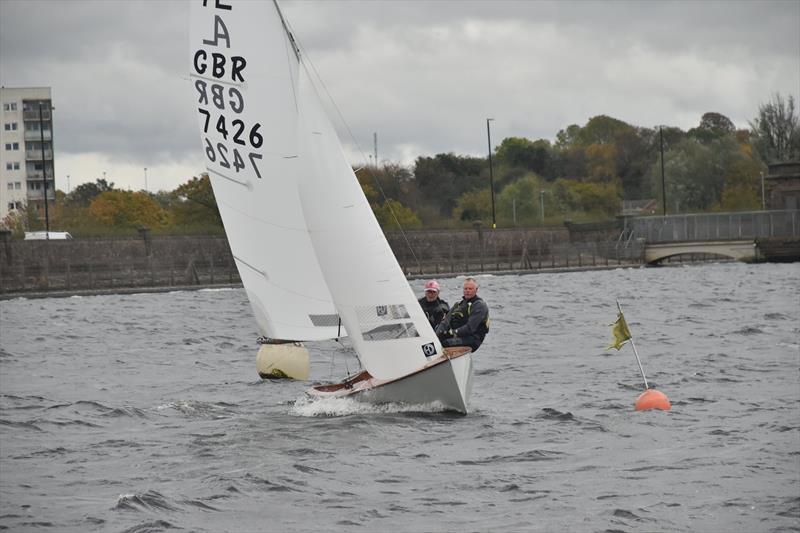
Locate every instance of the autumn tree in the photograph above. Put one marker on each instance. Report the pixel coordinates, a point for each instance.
(83, 194)
(531, 156)
(125, 209)
(196, 203)
(776, 132)
(585, 200)
(520, 201)
(472, 206)
(392, 215)
(712, 126)
(443, 178)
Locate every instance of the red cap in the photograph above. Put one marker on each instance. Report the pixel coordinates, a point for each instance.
(432, 286)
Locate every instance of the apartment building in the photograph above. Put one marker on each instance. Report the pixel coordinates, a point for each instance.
(26, 149)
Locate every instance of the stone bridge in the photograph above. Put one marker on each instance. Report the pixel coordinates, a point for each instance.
(744, 250)
(733, 235)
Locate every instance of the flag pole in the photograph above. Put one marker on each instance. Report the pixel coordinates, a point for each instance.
(646, 386)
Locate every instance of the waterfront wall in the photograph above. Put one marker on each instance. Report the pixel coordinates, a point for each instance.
(179, 261)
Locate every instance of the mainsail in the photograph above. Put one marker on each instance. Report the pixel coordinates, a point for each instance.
(304, 235)
(247, 111)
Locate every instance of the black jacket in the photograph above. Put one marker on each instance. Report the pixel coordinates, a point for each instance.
(435, 310)
(469, 319)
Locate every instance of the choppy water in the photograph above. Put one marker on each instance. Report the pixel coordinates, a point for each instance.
(144, 413)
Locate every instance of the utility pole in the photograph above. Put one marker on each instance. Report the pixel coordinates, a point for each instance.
(44, 165)
(145, 179)
(663, 186)
(491, 177)
(541, 199)
(375, 147)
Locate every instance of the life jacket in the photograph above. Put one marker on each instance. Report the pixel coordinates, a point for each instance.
(461, 313)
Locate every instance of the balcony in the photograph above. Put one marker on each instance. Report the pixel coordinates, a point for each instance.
(35, 135)
(37, 195)
(33, 115)
(37, 176)
(36, 155)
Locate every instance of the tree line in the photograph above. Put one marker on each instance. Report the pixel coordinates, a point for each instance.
(584, 175)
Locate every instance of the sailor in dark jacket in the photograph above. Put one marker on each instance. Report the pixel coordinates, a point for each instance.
(435, 308)
(467, 323)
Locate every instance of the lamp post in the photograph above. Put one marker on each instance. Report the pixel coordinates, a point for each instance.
(663, 186)
(491, 177)
(541, 200)
(763, 197)
(145, 179)
(68, 187)
(44, 167)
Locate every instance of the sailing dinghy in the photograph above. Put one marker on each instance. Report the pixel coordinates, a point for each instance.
(312, 258)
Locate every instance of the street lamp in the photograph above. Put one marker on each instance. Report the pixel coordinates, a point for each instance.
(491, 177)
(541, 200)
(145, 179)
(68, 188)
(663, 186)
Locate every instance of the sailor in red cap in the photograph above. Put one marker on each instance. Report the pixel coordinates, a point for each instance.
(435, 308)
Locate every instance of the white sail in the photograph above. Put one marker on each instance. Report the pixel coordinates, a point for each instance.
(385, 323)
(304, 235)
(247, 112)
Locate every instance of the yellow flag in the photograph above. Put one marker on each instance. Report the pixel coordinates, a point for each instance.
(620, 331)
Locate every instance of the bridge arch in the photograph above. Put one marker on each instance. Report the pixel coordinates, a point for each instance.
(744, 250)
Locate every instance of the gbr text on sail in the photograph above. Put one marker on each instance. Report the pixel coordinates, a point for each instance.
(219, 79)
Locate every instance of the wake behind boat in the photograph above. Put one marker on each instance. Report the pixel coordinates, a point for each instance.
(312, 258)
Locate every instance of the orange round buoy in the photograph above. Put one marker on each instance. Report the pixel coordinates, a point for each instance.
(652, 399)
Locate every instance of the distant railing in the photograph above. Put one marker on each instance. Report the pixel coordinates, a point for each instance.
(36, 155)
(36, 135)
(717, 226)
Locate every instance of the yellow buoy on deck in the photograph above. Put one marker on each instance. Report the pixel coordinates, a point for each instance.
(285, 360)
(652, 399)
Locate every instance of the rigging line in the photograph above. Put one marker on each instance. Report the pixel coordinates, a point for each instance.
(305, 62)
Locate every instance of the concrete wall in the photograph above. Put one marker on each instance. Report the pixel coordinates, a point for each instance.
(116, 263)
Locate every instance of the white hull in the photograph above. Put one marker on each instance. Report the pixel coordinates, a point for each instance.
(445, 380)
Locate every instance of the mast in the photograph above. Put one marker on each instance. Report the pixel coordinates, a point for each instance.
(286, 29)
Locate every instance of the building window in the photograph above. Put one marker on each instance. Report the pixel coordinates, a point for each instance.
(10, 206)
(8, 146)
(10, 185)
(16, 165)
(11, 126)
(9, 166)
(17, 185)
(10, 106)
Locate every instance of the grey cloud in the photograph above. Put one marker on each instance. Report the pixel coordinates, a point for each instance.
(423, 74)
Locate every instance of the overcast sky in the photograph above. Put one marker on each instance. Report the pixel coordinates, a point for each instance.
(424, 75)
